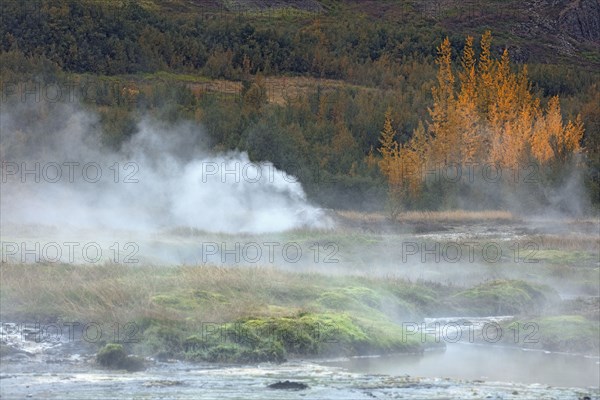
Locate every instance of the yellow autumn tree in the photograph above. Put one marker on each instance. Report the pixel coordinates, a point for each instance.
(553, 141)
(402, 165)
(526, 114)
(540, 141)
(413, 158)
(492, 117)
(466, 107)
(502, 113)
(388, 145)
(485, 71)
(390, 166)
(570, 142)
(443, 127)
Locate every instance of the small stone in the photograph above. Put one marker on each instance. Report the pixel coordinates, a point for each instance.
(288, 385)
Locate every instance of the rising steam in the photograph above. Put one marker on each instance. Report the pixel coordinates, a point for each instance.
(164, 177)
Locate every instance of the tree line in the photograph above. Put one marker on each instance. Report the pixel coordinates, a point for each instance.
(328, 137)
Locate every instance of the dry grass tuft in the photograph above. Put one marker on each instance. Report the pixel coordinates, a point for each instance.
(432, 216)
(120, 293)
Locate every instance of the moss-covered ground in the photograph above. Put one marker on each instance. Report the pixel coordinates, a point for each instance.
(252, 314)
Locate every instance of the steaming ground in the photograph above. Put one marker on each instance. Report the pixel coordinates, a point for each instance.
(59, 176)
(164, 199)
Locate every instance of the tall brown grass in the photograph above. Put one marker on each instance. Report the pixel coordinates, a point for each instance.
(119, 293)
(432, 216)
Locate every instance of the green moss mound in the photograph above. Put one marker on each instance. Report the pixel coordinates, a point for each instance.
(273, 339)
(504, 297)
(564, 333)
(364, 301)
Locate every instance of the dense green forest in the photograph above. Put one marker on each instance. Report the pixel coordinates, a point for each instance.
(305, 85)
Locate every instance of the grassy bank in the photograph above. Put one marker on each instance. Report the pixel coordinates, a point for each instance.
(248, 313)
(218, 314)
(564, 333)
(208, 313)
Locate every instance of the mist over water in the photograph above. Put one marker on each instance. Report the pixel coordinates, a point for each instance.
(163, 177)
(490, 363)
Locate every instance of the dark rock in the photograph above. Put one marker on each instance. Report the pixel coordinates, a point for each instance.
(162, 383)
(133, 364)
(288, 385)
(163, 356)
(581, 20)
(114, 356)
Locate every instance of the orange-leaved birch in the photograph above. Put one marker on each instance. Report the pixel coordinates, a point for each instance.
(485, 72)
(506, 100)
(413, 160)
(543, 132)
(539, 142)
(569, 142)
(442, 128)
(503, 115)
(393, 166)
(389, 146)
(554, 125)
(466, 106)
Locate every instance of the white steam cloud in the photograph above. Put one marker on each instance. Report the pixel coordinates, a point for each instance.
(163, 178)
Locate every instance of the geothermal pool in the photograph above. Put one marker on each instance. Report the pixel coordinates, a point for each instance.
(409, 377)
(461, 370)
